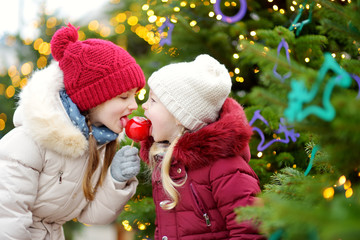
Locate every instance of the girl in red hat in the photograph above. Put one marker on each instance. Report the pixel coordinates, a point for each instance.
(60, 160)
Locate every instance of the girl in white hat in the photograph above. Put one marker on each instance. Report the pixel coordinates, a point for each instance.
(198, 153)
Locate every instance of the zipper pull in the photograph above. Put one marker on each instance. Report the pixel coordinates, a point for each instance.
(207, 219)
(60, 177)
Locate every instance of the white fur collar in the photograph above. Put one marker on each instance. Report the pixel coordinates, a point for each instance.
(41, 112)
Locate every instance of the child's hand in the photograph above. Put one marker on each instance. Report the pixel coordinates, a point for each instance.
(126, 164)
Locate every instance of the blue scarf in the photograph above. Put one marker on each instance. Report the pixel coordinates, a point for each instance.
(102, 134)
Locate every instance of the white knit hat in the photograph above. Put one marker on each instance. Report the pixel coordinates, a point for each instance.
(193, 92)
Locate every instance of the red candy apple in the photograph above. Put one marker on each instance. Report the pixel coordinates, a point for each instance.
(138, 128)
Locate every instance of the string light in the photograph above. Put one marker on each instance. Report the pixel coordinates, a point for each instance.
(193, 23)
(259, 154)
(126, 225)
(145, 7)
(349, 193)
(236, 56)
(307, 59)
(93, 25)
(239, 79)
(328, 193)
(342, 180)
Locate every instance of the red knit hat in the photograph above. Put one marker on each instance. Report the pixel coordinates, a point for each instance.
(94, 70)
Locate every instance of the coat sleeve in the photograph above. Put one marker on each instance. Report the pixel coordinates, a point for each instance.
(20, 164)
(109, 201)
(234, 184)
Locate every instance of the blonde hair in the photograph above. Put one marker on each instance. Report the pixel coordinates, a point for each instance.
(168, 184)
(93, 163)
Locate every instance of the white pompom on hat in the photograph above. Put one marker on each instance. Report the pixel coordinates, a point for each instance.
(193, 92)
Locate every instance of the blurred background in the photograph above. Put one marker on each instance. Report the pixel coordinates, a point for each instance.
(276, 54)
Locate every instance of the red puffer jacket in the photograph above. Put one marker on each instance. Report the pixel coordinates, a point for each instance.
(215, 159)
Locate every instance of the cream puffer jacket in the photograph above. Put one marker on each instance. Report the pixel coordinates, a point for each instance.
(42, 163)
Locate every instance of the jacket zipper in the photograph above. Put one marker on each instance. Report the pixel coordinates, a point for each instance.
(200, 205)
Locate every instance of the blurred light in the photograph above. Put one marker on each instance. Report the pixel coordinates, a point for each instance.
(81, 35)
(294, 166)
(105, 32)
(121, 17)
(141, 95)
(126, 225)
(333, 55)
(10, 91)
(347, 184)
(211, 14)
(2, 124)
(150, 13)
(294, 2)
(93, 25)
(239, 79)
(307, 59)
(164, 1)
(145, 7)
(27, 41)
(15, 81)
(192, 5)
(259, 154)
(318, 5)
(236, 56)
(152, 19)
(133, 20)
(37, 43)
(253, 33)
(218, 17)
(183, 4)
(212, 1)
(41, 62)
(12, 71)
(275, 7)
(23, 82)
(292, 8)
(349, 193)
(141, 227)
(237, 70)
(328, 192)
(51, 22)
(26, 68)
(44, 48)
(3, 117)
(120, 29)
(268, 165)
(176, 9)
(342, 180)
(241, 37)
(193, 23)
(2, 89)
(282, 11)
